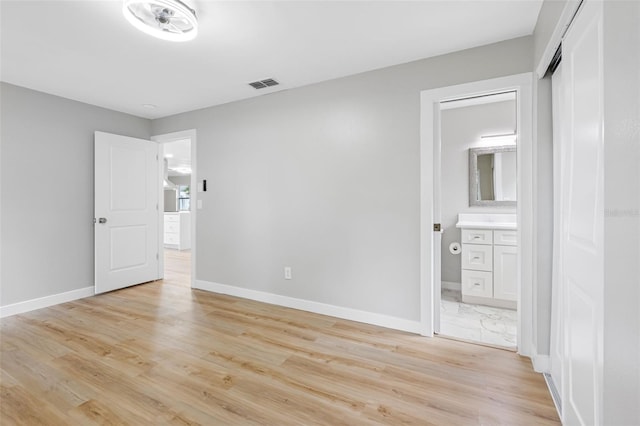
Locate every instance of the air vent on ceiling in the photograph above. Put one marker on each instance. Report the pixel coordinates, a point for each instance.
(264, 83)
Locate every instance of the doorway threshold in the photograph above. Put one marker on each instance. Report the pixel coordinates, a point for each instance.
(476, 342)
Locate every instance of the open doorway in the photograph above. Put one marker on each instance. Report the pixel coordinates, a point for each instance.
(478, 218)
(432, 194)
(176, 235)
(177, 210)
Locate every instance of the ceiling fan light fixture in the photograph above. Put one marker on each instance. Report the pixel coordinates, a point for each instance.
(170, 20)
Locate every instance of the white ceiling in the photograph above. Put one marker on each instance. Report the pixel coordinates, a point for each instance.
(86, 50)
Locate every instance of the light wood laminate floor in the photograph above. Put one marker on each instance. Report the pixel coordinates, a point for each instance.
(161, 353)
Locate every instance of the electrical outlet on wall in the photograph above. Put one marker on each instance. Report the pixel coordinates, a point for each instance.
(287, 272)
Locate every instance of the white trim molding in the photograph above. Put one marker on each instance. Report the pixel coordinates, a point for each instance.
(541, 363)
(45, 302)
(429, 137)
(311, 306)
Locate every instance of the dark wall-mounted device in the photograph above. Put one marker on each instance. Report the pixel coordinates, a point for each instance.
(204, 185)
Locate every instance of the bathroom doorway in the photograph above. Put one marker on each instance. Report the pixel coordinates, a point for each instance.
(516, 247)
(478, 219)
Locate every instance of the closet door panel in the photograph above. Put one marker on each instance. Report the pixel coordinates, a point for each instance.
(583, 219)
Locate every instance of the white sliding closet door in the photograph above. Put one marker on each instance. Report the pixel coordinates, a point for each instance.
(559, 143)
(583, 218)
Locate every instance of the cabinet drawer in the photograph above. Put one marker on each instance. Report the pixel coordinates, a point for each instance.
(171, 227)
(171, 239)
(477, 257)
(505, 238)
(171, 218)
(477, 236)
(477, 283)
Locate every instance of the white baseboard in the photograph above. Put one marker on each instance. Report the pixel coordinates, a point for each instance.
(43, 302)
(541, 363)
(315, 307)
(450, 285)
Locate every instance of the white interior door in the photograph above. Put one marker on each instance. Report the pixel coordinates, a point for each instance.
(583, 219)
(126, 211)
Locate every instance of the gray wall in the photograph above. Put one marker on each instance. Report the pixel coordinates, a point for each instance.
(326, 179)
(621, 51)
(543, 170)
(47, 150)
(547, 19)
(543, 215)
(461, 129)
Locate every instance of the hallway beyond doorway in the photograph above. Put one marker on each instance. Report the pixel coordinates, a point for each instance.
(177, 267)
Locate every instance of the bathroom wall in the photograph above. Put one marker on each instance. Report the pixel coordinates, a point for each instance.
(461, 130)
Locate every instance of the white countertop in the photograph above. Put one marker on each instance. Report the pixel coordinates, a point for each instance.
(505, 221)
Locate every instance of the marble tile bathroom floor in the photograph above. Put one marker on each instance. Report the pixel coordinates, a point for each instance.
(477, 323)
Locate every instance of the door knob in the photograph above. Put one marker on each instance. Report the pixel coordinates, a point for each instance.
(102, 220)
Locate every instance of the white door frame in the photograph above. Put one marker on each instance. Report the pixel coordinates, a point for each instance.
(172, 137)
(429, 134)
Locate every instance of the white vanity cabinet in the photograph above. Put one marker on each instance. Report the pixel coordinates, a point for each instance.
(505, 266)
(489, 265)
(177, 230)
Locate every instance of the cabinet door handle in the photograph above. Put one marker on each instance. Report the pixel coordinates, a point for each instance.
(476, 258)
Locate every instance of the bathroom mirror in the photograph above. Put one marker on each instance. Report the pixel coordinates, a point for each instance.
(492, 176)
